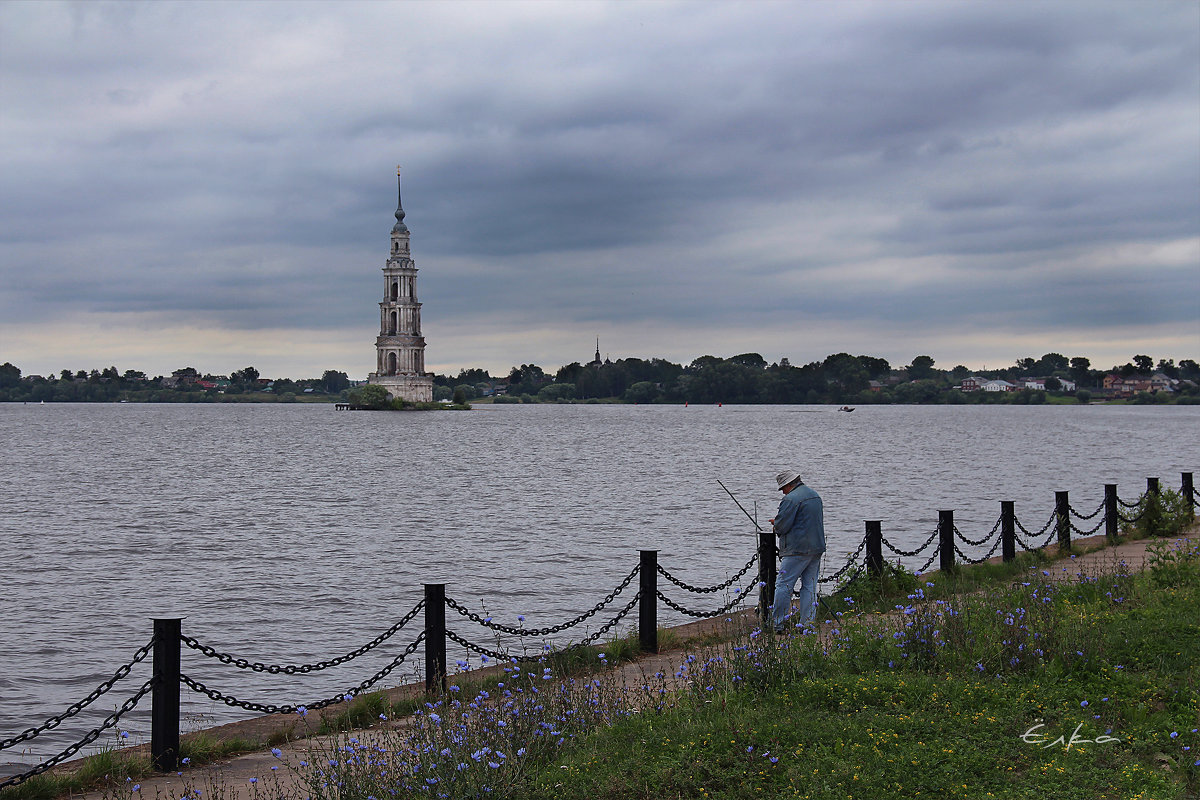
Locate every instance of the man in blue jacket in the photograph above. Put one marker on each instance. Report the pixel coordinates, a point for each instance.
(800, 526)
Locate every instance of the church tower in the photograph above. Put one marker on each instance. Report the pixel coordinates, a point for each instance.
(400, 348)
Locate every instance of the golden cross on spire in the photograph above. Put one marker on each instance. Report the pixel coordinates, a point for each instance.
(397, 170)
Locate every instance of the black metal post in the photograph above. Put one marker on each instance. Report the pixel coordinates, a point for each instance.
(164, 697)
(767, 572)
(648, 602)
(435, 637)
(1008, 530)
(946, 541)
(1188, 490)
(1152, 486)
(874, 548)
(1062, 519)
(1111, 511)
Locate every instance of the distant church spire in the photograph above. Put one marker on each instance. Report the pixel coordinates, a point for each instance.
(597, 349)
(399, 227)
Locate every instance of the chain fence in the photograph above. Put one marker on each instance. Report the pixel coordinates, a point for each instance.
(496, 626)
(87, 739)
(909, 553)
(303, 669)
(708, 589)
(739, 596)
(73, 709)
(1085, 517)
(266, 708)
(588, 640)
(982, 541)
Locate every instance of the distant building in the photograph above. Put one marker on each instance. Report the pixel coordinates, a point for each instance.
(997, 385)
(400, 348)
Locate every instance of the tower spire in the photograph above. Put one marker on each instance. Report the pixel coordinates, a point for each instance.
(399, 227)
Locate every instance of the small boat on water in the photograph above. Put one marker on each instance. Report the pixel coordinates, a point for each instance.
(847, 409)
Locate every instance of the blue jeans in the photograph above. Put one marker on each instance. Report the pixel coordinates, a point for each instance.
(792, 568)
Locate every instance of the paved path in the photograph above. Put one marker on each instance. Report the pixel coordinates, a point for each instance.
(235, 774)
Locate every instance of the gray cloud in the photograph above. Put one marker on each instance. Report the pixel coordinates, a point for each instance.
(578, 166)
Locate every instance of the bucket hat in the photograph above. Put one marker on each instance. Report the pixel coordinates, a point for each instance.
(786, 477)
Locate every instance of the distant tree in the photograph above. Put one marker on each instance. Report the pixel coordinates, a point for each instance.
(1026, 366)
(247, 376)
(1144, 364)
(704, 361)
(753, 360)
(443, 393)
(370, 396)
(10, 375)
(960, 372)
(641, 392)
(1083, 396)
(1051, 363)
(553, 392)
(66, 375)
(847, 372)
(460, 397)
(921, 368)
(876, 367)
(468, 391)
(1081, 370)
(569, 373)
(1189, 369)
(334, 381)
(1167, 367)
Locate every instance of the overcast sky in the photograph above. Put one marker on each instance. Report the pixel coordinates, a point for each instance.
(212, 184)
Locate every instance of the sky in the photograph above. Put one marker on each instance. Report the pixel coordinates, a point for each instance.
(212, 184)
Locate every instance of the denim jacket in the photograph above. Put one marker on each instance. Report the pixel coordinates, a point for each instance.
(800, 523)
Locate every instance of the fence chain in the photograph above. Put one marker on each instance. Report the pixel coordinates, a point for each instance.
(265, 708)
(1046, 527)
(1134, 504)
(1133, 518)
(73, 709)
(88, 738)
(1025, 545)
(850, 562)
(989, 554)
(708, 589)
(292, 669)
(1089, 516)
(937, 550)
(603, 629)
(900, 552)
(1099, 524)
(487, 623)
(738, 597)
(982, 541)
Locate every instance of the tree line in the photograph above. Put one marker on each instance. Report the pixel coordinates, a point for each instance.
(840, 378)
(185, 385)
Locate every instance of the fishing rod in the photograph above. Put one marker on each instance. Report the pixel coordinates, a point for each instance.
(739, 505)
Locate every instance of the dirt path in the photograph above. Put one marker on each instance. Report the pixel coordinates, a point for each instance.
(235, 775)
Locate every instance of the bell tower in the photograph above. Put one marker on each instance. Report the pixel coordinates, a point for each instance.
(400, 348)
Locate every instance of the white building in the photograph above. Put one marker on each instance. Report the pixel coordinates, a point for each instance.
(400, 348)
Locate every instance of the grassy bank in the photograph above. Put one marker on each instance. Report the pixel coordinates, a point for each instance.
(942, 699)
(1082, 688)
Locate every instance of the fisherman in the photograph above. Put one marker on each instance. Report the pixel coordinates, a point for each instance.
(800, 526)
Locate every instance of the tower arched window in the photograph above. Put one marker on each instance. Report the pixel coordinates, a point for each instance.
(392, 325)
(395, 289)
(391, 364)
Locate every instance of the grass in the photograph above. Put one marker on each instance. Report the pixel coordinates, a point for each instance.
(939, 711)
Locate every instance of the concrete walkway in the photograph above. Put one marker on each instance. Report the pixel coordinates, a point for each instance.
(234, 775)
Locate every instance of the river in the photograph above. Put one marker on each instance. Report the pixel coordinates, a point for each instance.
(294, 533)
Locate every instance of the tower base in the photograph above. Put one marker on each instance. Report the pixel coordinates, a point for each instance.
(410, 388)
